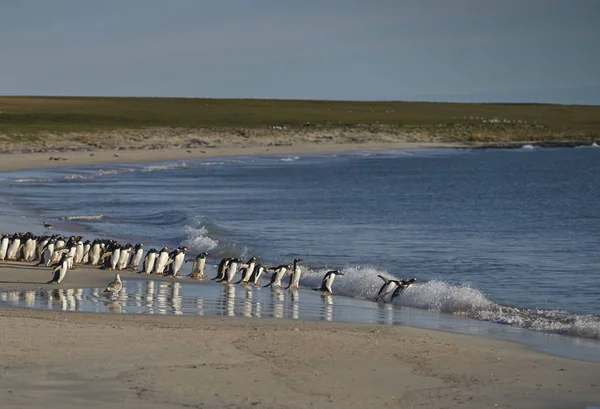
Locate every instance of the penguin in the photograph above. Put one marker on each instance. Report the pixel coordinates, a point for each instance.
(161, 261)
(95, 252)
(247, 271)
(60, 269)
(221, 268)
(150, 260)
(114, 286)
(328, 281)
(278, 275)
(178, 257)
(72, 250)
(59, 245)
(124, 257)
(295, 275)
(86, 252)
(259, 269)
(4, 242)
(14, 247)
(79, 251)
(138, 253)
(115, 256)
(198, 265)
(46, 253)
(404, 284)
(41, 242)
(231, 270)
(29, 247)
(388, 287)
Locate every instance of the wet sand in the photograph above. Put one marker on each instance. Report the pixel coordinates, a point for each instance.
(67, 360)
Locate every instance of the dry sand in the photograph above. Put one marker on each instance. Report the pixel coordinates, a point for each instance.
(22, 161)
(72, 360)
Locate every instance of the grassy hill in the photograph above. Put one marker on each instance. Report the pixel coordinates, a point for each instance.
(23, 118)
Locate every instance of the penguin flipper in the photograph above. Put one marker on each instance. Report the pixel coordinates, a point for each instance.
(385, 280)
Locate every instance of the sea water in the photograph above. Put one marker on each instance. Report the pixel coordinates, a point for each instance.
(509, 237)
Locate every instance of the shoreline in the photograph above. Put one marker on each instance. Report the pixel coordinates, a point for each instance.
(54, 158)
(113, 359)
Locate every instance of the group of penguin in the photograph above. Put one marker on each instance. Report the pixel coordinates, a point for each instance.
(61, 254)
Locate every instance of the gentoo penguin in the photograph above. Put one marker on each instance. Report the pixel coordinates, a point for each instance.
(87, 246)
(387, 288)
(278, 275)
(221, 268)
(198, 265)
(60, 269)
(259, 269)
(161, 261)
(404, 284)
(328, 281)
(46, 253)
(115, 256)
(78, 257)
(95, 252)
(178, 257)
(14, 247)
(231, 270)
(124, 256)
(247, 271)
(114, 286)
(4, 242)
(29, 247)
(42, 241)
(150, 260)
(138, 253)
(72, 250)
(295, 275)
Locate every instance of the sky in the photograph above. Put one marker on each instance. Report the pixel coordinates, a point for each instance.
(426, 50)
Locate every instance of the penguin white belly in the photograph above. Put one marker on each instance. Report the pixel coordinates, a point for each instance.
(177, 263)
(279, 276)
(29, 250)
(3, 248)
(78, 256)
(63, 272)
(161, 262)
(329, 282)
(149, 264)
(296, 277)
(231, 271)
(71, 256)
(114, 260)
(123, 258)
(11, 253)
(136, 259)
(48, 254)
(249, 272)
(95, 256)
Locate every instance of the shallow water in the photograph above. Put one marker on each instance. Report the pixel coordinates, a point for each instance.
(503, 236)
(210, 299)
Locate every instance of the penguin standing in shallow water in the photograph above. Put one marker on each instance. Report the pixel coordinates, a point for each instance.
(198, 265)
(247, 271)
(278, 275)
(295, 275)
(259, 269)
(231, 270)
(328, 281)
(176, 259)
(138, 253)
(161, 261)
(222, 268)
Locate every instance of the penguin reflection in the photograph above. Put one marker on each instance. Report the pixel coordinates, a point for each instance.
(277, 298)
(295, 296)
(247, 303)
(176, 299)
(328, 303)
(230, 299)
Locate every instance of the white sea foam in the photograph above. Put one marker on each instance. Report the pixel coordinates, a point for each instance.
(295, 158)
(32, 180)
(440, 296)
(154, 168)
(527, 147)
(83, 218)
(197, 239)
(74, 177)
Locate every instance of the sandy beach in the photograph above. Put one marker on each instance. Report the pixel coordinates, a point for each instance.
(64, 360)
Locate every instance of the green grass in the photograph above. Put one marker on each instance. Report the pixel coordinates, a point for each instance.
(31, 115)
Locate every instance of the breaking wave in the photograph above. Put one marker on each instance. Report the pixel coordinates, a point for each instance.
(363, 282)
(32, 180)
(95, 217)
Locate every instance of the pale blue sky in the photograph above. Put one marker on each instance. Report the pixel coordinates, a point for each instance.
(450, 50)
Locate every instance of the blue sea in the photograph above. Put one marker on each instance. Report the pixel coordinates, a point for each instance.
(506, 237)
